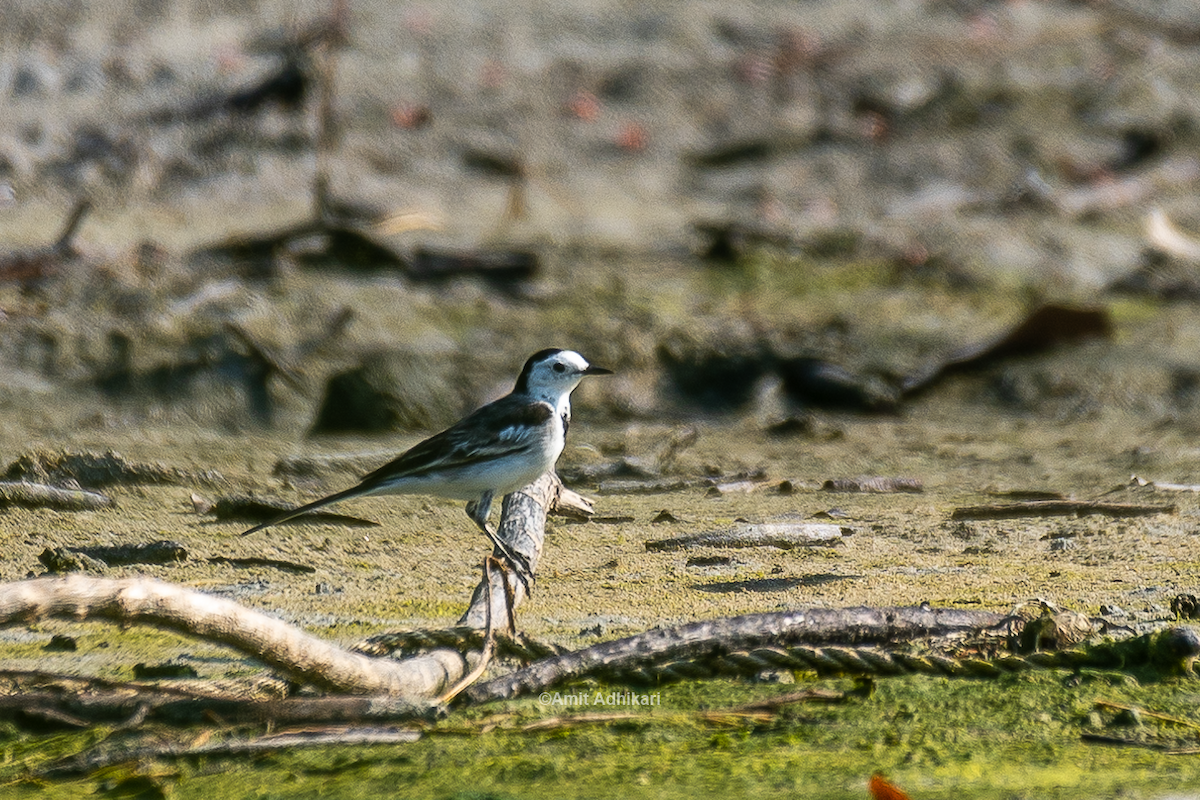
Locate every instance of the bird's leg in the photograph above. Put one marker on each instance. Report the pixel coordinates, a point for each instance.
(510, 596)
(478, 511)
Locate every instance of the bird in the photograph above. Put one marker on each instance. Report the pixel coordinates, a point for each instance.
(497, 449)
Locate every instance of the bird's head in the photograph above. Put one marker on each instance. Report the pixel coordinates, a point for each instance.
(552, 374)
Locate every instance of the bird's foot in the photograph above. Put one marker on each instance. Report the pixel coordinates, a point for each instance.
(519, 563)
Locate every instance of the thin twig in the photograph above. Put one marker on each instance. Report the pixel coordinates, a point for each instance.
(489, 639)
(102, 756)
(576, 720)
(1151, 714)
(1059, 508)
(63, 245)
(778, 701)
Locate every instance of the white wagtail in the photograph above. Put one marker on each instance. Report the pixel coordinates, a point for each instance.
(495, 450)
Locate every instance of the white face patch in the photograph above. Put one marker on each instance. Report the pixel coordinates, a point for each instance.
(573, 361)
(557, 375)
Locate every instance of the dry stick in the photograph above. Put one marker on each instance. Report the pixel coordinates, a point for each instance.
(776, 702)
(63, 245)
(1187, 723)
(37, 495)
(282, 646)
(1117, 741)
(91, 707)
(489, 639)
(578, 720)
(698, 639)
(105, 756)
(1058, 508)
(523, 529)
(326, 131)
(326, 61)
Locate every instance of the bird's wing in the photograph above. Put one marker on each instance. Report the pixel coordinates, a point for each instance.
(509, 426)
(506, 427)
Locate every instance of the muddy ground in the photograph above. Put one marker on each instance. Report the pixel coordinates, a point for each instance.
(888, 185)
(417, 567)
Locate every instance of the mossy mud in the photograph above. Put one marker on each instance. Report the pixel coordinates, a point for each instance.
(1078, 420)
(937, 738)
(1017, 737)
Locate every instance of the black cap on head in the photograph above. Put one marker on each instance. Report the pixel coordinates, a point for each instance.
(523, 379)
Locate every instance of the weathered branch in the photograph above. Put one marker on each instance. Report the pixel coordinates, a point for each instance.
(64, 244)
(39, 495)
(107, 754)
(93, 703)
(697, 639)
(1059, 508)
(284, 647)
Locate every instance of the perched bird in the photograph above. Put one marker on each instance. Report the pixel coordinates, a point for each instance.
(495, 450)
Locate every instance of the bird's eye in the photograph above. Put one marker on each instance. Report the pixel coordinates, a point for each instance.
(560, 367)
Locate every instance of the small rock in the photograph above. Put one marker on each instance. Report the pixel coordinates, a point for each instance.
(783, 535)
(61, 643)
(709, 561)
(146, 672)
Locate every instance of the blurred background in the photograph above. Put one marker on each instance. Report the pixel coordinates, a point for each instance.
(354, 217)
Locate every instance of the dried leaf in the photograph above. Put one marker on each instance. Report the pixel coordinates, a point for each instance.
(882, 789)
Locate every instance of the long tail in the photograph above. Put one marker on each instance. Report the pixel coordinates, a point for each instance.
(346, 494)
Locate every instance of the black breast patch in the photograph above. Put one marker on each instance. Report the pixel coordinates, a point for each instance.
(531, 414)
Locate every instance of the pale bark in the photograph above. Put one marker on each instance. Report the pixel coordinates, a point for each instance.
(280, 645)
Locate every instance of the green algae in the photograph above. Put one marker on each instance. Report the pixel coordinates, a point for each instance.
(1014, 737)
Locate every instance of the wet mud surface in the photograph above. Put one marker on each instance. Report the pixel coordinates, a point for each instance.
(599, 578)
(936, 252)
